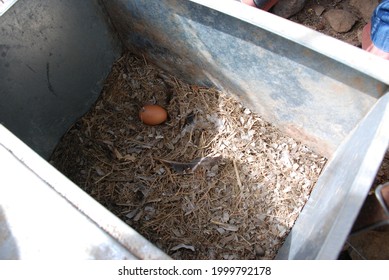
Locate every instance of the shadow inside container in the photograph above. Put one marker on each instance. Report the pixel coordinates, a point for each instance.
(8, 247)
(214, 181)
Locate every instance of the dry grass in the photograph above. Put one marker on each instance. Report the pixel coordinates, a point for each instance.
(213, 182)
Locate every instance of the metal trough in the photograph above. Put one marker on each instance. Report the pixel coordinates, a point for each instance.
(54, 56)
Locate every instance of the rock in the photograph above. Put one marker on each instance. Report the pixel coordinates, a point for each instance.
(288, 8)
(359, 35)
(365, 7)
(340, 20)
(318, 10)
(259, 251)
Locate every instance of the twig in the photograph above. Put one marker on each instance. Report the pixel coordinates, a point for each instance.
(106, 175)
(144, 60)
(237, 175)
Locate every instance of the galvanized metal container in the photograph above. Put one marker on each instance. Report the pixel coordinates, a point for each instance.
(55, 55)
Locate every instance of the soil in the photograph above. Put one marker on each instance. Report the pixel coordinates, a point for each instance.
(311, 17)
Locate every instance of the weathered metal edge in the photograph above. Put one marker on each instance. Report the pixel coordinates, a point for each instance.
(6, 5)
(333, 48)
(334, 204)
(135, 243)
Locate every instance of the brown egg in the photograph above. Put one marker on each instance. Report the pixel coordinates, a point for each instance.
(152, 114)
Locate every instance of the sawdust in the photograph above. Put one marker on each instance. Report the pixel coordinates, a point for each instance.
(215, 181)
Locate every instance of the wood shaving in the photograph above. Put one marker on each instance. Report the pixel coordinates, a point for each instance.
(241, 206)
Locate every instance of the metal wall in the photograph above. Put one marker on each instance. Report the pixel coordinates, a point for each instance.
(327, 218)
(54, 57)
(313, 87)
(309, 85)
(44, 216)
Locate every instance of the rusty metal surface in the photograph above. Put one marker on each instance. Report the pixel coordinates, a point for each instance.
(259, 57)
(38, 203)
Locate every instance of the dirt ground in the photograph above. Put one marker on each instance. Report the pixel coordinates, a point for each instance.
(313, 16)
